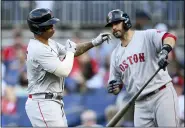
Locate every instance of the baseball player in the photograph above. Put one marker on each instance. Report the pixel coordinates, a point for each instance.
(134, 60)
(46, 69)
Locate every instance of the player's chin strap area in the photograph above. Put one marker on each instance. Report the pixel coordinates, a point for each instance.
(55, 96)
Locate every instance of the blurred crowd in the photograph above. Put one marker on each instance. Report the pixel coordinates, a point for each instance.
(90, 71)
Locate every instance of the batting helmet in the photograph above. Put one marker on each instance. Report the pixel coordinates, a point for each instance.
(40, 20)
(118, 15)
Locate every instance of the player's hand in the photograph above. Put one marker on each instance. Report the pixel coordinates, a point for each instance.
(114, 87)
(163, 56)
(101, 38)
(70, 46)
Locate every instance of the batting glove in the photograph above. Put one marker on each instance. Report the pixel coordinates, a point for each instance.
(114, 87)
(70, 46)
(163, 56)
(101, 38)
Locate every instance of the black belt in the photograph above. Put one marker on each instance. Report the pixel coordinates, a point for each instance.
(48, 96)
(152, 93)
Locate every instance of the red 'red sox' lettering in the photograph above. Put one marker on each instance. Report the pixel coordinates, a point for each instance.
(135, 58)
(131, 60)
(141, 57)
(124, 63)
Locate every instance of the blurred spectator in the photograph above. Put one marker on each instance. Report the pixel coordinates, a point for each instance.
(3, 68)
(179, 50)
(90, 71)
(76, 66)
(9, 53)
(106, 69)
(71, 85)
(142, 20)
(99, 53)
(15, 68)
(14, 58)
(89, 119)
(8, 96)
(161, 27)
(179, 55)
(178, 82)
(8, 101)
(21, 89)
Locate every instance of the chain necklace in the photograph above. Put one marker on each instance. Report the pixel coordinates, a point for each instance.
(49, 46)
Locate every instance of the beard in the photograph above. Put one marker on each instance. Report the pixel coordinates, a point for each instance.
(117, 34)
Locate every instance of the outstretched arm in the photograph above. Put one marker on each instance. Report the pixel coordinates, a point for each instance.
(82, 48)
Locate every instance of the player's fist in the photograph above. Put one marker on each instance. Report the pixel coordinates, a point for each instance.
(114, 87)
(70, 46)
(163, 56)
(101, 38)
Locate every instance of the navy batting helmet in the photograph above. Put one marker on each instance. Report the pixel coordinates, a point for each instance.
(39, 20)
(118, 15)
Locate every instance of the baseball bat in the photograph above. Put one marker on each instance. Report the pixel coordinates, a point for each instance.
(120, 114)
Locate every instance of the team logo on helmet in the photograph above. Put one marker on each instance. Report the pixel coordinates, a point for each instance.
(110, 16)
(34, 25)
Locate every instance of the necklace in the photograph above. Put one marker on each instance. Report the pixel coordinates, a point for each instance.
(49, 47)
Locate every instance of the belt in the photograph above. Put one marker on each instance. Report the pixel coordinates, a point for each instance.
(46, 96)
(152, 93)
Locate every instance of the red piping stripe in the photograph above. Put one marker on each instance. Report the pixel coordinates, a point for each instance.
(42, 115)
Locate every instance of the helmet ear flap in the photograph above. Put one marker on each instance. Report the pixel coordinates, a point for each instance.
(126, 21)
(34, 27)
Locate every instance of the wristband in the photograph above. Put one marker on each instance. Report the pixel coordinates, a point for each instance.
(167, 47)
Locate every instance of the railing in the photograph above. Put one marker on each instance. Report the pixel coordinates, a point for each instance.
(90, 13)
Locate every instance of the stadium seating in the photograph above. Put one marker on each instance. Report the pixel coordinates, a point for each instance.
(73, 108)
(74, 105)
(98, 100)
(9, 120)
(23, 118)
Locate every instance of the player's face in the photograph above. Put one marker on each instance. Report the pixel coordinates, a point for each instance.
(49, 31)
(117, 29)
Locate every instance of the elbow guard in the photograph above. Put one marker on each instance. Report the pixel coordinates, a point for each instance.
(65, 67)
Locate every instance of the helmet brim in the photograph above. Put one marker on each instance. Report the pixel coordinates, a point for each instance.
(49, 22)
(108, 25)
(113, 21)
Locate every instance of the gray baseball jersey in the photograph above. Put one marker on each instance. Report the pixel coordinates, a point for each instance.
(134, 64)
(42, 61)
